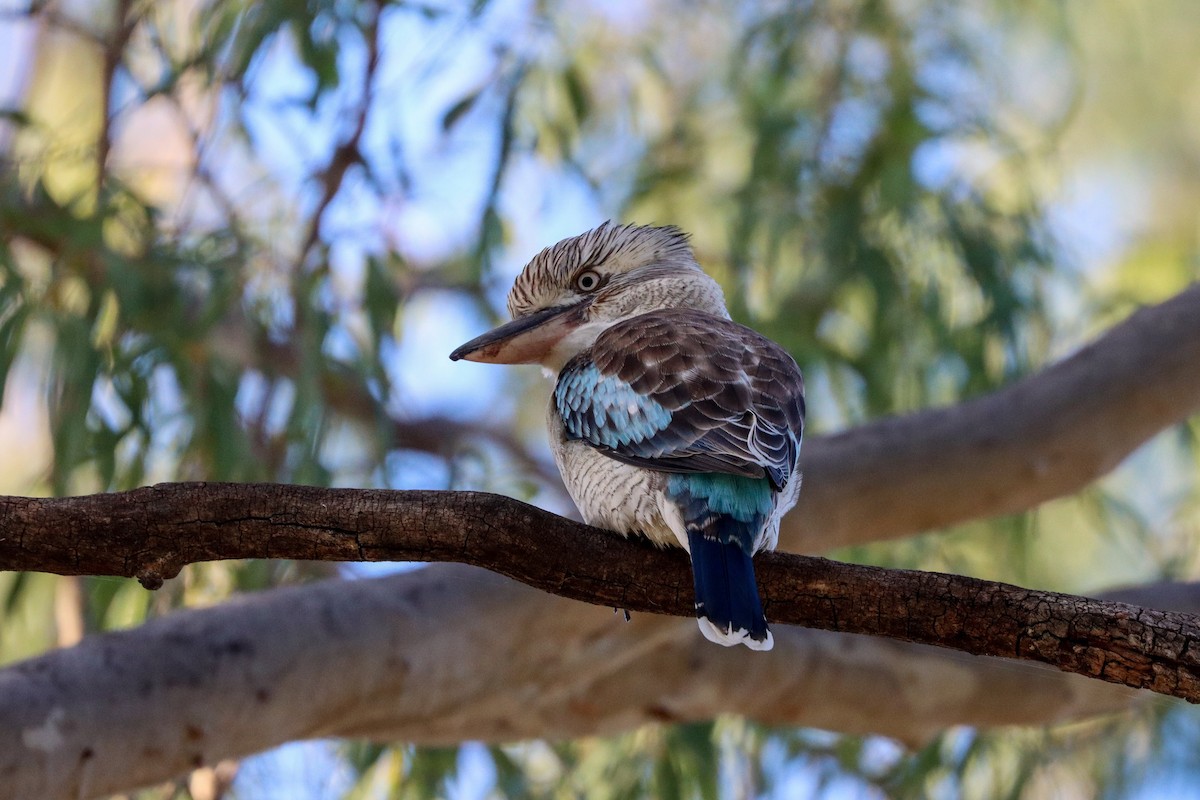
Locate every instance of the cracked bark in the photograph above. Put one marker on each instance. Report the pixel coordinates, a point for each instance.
(452, 653)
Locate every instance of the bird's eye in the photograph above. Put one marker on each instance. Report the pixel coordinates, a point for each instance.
(587, 281)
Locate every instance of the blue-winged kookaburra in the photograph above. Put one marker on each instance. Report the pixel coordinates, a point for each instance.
(668, 419)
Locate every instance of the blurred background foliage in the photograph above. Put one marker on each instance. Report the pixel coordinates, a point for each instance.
(238, 239)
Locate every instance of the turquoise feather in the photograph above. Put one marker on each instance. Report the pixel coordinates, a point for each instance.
(728, 508)
(605, 410)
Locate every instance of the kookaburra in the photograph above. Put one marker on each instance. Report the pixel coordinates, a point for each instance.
(667, 419)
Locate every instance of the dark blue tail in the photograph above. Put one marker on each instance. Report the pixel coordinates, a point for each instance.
(727, 604)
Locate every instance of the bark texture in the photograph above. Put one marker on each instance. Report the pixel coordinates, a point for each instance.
(452, 653)
(151, 533)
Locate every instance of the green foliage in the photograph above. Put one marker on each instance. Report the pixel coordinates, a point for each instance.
(240, 316)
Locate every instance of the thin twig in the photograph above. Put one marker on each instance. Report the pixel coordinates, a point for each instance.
(347, 153)
(114, 51)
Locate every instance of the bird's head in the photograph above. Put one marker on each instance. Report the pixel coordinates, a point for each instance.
(571, 292)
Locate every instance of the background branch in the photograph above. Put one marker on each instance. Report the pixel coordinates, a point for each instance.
(453, 653)
(1044, 437)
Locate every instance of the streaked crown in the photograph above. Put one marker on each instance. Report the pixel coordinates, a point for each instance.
(616, 255)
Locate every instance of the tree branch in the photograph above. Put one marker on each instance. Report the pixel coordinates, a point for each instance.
(347, 153)
(152, 532)
(452, 653)
(1046, 436)
(114, 49)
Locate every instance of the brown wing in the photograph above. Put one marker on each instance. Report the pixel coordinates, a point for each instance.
(683, 391)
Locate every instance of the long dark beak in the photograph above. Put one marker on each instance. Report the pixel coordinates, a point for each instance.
(525, 340)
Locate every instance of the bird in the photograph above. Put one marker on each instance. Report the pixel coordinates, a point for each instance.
(668, 419)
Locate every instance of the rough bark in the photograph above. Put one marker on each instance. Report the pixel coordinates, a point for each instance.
(452, 653)
(152, 532)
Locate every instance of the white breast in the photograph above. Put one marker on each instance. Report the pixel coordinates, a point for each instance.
(613, 495)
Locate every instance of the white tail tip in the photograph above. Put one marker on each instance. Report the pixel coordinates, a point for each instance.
(730, 638)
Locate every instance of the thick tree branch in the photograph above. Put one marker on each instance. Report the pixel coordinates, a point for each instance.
(152, 532)
(451, 653)
(1046, 436)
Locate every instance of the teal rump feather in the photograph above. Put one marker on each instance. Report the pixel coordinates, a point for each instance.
(724, 516)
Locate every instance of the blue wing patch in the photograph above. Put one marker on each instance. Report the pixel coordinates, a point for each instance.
(605, 410)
